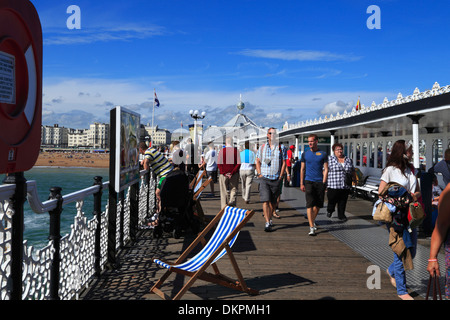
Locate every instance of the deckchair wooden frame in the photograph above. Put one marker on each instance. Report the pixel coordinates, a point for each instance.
(202, 187)
(217, 277)
(196, 198)
(198, 177)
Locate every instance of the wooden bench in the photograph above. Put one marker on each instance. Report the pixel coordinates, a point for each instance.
(369, 189)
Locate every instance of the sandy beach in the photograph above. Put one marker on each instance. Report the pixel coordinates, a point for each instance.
(73, 159)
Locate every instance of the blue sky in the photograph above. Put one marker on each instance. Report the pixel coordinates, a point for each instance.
(291, 60)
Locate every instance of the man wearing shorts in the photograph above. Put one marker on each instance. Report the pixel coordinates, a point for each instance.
(313, 178)
(270, 164)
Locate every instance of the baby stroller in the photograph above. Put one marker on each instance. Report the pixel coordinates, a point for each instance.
(176, 206)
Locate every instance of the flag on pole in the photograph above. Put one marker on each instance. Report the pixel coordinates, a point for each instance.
(358, 105)
(156, 101)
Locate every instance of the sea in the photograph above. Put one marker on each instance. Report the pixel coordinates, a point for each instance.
(36, 226)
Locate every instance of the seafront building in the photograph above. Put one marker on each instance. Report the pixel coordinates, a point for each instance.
(160, 136)
(78, 138)
(54, 136)
(97, 136)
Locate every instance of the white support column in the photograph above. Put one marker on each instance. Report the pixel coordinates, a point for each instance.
(302, 147)
(415, 129)
(296, 147)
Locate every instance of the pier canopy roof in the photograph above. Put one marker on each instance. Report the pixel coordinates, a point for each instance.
(240, 128)
(430, 108)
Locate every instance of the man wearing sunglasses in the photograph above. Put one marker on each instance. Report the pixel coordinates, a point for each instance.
(270, 166)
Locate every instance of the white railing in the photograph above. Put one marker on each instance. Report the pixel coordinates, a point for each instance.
(76, 248)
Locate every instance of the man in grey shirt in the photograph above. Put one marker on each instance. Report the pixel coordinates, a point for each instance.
(443, 167)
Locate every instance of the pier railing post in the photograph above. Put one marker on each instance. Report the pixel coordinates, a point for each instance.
(98, 215)
(112, 227)
(122, 218)
(18, 200)
(134, 210)
(147, 182)
(55, 236)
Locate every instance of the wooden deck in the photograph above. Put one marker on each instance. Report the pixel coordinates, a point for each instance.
(286, 264)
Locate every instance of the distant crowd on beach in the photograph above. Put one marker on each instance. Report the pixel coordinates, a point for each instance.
(56, 158)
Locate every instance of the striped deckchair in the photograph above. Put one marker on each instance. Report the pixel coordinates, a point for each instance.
(198, 191)
(229, 222)
(197, 181)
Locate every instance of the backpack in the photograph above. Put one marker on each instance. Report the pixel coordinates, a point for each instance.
(416, 214)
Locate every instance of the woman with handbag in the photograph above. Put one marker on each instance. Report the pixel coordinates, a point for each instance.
(441, 234)
(398, 170)
(341, 173)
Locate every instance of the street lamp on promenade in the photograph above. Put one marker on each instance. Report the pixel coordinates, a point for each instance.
(196, 116)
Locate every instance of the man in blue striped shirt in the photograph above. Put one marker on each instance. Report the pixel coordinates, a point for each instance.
(270, 167)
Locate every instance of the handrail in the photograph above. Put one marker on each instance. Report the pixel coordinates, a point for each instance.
(39, 207)
(92, 234)
(7, 191)
(44, 207)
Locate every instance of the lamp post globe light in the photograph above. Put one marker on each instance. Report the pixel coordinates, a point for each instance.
(196, 116)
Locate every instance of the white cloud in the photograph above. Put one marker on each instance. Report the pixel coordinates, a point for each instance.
(91, 35)
(336, 106)
(298, 55)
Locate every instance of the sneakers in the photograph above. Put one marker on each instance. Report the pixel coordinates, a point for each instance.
(312, 230)
(268, 227)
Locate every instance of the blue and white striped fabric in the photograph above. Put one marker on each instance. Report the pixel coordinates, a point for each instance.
(229, 221)
(199, 182)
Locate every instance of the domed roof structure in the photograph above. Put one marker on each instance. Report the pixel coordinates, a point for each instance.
(240, 127)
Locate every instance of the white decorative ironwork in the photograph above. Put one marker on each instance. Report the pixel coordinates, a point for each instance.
(6, 213)
(36, 273)
(417, 95)
(76, 248)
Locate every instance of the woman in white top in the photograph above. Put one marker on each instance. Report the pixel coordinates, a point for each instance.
(398, 170)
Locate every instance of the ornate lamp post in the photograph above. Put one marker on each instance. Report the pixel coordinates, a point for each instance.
(196, 116)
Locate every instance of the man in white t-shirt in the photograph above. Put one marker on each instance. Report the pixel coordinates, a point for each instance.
(211, 165)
